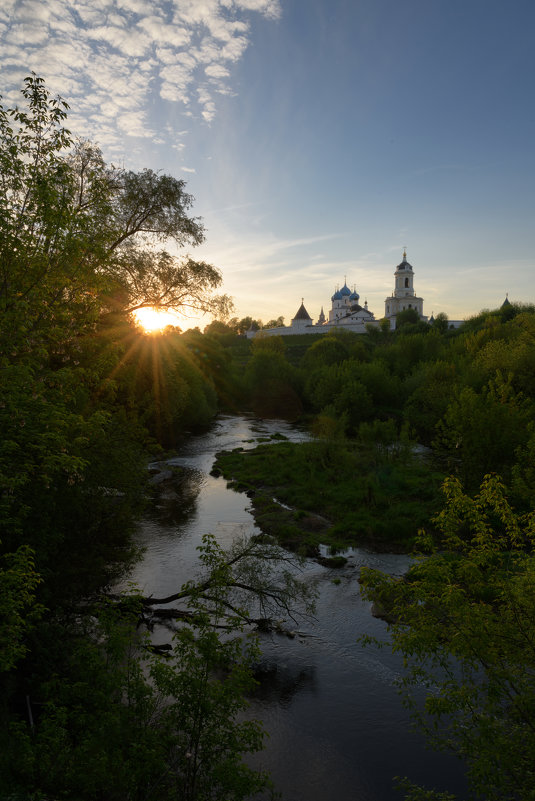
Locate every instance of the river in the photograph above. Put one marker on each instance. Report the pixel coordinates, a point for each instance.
(336, 726)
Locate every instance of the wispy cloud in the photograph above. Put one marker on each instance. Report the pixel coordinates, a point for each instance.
(107, 57)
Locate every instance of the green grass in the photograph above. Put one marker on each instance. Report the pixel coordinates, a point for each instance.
(339, 495)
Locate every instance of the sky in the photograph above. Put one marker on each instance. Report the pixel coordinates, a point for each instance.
(319, 137)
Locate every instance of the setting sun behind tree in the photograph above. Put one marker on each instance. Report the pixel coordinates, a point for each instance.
(152, 320)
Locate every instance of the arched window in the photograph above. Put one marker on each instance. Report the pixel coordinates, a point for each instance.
(406, 282)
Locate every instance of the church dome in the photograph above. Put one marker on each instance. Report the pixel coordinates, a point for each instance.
(354, 296)
(337, 295)
(345, 291)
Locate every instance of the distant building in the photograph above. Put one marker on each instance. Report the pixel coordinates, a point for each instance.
(403, 297)
(347, 313)
(302, 319)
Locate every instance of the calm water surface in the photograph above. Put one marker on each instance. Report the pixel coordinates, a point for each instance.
(336, 726)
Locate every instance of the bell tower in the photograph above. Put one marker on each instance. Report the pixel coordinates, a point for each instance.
(403, 296)
(404, 279)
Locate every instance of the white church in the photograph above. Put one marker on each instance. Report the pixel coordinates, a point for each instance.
(347, 313)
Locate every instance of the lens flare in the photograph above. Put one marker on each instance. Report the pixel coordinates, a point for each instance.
(152, 320)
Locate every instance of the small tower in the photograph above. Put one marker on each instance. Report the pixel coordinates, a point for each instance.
(403, 296)
(302, 318)
(321, 318)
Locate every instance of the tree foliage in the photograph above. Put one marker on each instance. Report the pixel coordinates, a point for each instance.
(83, 394)
(463, 621)
(78, 236)
(80, 248)
(115, 719)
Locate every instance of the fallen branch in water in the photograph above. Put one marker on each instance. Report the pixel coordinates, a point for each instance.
(254, 583)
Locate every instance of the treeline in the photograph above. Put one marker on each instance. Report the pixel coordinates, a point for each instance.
(467, 393)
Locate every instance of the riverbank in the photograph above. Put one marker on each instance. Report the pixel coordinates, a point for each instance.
(310, 494)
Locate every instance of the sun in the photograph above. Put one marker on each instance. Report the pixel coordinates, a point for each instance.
(153, 320)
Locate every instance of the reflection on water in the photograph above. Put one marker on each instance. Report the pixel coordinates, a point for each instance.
(278, 683)
(175, 500)
(336, 726)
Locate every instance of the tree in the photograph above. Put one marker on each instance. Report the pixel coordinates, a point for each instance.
(273, 385)
(253, 582)
(77, 236)
(441, 323)
(78, 239)
(481, 431)
(122, 718)
(217, 327)
(265, 342)
(433, 387)
(407, 317)
(244, 325)
(325, 352)
(18, 610)
(463, 621)
(275, 323)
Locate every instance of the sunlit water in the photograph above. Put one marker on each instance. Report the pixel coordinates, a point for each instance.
(336, 726)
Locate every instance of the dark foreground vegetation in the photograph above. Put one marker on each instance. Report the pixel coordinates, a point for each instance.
(90, 709)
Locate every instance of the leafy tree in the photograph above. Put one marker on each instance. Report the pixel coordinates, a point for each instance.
(463, 621)
(339, 387)
(74, 231)
(117, 719)
(273, 344)
(523, 472)
(512, 352)
(217, 327)
(384, 388)
(273, 385)
(275, 323)
(441, 323)
(18, 610)
(434, 386)
(407, 317)
(206, 741)
(326, 351)
(80, 391)
(78, 238)
(408, 349)
(481, 431)
(244, 325)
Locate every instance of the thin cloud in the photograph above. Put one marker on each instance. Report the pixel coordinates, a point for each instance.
(106, 57)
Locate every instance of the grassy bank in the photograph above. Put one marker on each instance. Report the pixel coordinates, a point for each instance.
(337, 495)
